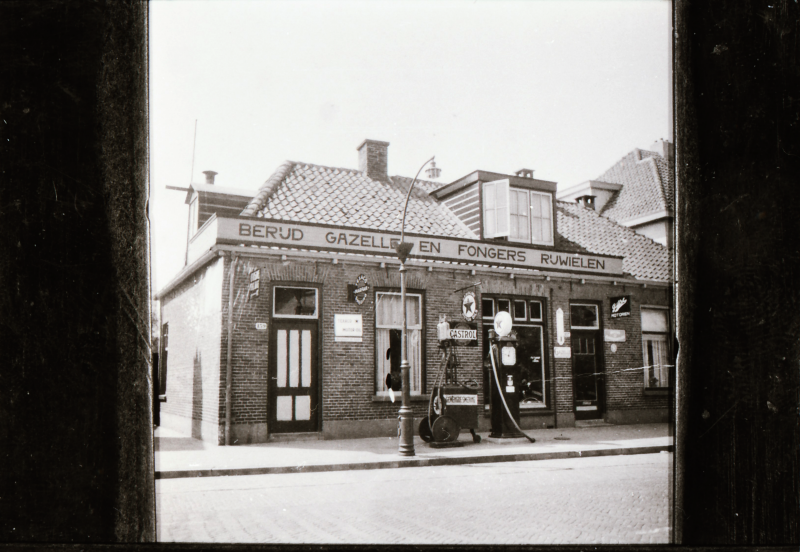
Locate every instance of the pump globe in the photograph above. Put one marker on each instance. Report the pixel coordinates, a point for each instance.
(503, 323)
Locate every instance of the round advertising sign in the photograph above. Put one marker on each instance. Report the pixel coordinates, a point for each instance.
(469, 309)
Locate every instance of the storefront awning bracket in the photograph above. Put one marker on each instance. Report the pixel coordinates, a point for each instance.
(476, 284)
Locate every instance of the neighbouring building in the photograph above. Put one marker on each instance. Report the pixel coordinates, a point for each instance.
(286, 318)
(638, 192)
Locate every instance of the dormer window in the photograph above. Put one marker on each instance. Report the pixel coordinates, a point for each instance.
(518, 214)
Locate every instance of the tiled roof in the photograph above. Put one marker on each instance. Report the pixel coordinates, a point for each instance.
(303, 192)
(647, 186)
(586, 230)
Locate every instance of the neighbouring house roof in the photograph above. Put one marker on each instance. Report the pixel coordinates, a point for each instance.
(588, 231)
(303, 192)
(647, 181)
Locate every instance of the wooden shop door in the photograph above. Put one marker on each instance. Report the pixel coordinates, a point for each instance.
(293, 371)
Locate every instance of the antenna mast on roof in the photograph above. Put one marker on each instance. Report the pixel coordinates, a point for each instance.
(194, 143)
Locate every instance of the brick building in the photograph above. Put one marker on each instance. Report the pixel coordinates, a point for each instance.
(286, 318)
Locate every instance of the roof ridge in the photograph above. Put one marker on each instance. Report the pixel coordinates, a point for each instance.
(267, 189)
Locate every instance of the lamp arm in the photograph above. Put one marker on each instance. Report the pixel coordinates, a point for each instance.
(408, 195)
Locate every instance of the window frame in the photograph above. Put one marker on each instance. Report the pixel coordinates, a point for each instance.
(530, 311)
(483, 311)
(663, 336)
(542, 324)
(579, 304)
(314, 316)
(379, 390)
(492, 189)
(496, 209)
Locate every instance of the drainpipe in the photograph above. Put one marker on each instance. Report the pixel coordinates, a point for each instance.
(228, 367)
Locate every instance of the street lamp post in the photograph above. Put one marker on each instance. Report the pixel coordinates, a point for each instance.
(403, 249)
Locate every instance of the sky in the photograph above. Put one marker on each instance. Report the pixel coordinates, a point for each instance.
(564, 87)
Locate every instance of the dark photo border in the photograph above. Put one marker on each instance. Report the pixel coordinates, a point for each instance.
(76, 446)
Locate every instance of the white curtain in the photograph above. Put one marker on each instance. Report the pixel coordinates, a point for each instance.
(656, 373)
(389, 315)
(383, 364)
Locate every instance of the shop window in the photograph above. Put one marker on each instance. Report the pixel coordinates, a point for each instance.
(388, 344)
(487, 308)
(535, 310)
(533, 391)
(655, 349)
(162, 360)
(530, 348)
(294, 302)
(504, 305)
(517, 214)
(584, 317)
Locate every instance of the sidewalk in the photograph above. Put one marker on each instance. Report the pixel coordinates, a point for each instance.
(181, 456)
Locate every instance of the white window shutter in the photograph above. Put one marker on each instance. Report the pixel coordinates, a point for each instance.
(495, 209)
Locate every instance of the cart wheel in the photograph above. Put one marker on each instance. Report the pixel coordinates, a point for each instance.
(425, 430)
(445, 429)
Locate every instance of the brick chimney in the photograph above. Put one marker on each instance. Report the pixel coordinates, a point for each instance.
(586, 200)
(210, 176)
(373, 159)
(662, 147)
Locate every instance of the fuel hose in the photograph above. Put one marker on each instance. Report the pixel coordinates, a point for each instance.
(502, 398)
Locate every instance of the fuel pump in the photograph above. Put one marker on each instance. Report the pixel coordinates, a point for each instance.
(506, 381)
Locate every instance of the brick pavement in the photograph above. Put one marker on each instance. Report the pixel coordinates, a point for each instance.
(620, 499)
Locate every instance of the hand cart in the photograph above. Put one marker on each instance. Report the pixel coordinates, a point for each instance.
(452, 406)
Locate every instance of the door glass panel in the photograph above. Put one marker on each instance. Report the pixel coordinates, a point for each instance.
(306, 360)
(294, 358)
(584, 369)
(283, 405)
(302, 407)
(281, 352)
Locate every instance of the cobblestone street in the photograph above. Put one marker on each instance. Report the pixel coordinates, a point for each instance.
(616, 499)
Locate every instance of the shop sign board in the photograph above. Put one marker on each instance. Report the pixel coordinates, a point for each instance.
(358, 292)
(452, 400)
(620, 306)
(252, 287)
(267, 232)
(562, 352)
(613, 335)
(560, 326)
(465, 335)
(347, 327)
